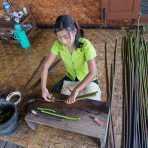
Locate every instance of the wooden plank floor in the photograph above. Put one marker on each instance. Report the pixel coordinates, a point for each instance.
(5, 144)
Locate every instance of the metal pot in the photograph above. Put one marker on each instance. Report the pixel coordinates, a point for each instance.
(8, 109)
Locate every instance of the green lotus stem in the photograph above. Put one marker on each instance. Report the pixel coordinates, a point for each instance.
(87, 95)
(61, 116)
(82, 97)
(135, 61)
(46, 109)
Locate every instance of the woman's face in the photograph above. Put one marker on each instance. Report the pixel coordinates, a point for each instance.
(66, 37)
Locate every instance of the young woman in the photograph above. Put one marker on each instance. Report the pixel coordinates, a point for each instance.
(78, 55)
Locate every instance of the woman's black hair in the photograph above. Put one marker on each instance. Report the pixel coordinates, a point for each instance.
(68, 23)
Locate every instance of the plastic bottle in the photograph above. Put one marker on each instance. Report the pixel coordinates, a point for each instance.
(21, 36)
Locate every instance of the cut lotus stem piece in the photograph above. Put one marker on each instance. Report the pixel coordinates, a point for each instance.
(46, 109)
(88, 95)
(61, 116)
(34, 112)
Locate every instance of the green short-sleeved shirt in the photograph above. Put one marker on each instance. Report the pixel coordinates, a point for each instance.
(76, 62)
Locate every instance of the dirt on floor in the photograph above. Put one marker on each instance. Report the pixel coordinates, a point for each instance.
(17, 66)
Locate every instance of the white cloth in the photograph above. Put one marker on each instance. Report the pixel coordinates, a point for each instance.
(90, 88)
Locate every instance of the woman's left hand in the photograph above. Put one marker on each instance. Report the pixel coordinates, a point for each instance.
(72, 98)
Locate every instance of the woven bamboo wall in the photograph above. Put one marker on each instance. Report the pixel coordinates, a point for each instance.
(46, 11)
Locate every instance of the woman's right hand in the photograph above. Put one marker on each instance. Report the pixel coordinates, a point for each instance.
(47, 96)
